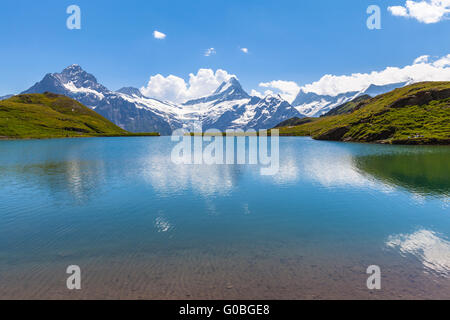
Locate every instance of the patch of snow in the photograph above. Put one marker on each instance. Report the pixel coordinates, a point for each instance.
(71, 87)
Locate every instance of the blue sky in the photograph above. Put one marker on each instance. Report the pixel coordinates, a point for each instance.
(297, 40)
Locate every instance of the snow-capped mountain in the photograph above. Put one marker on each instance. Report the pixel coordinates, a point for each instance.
(374, 90)
(131, 92)
(314, 105)
(268, 112)
(128, 108)
(229, 107)
(228, 90)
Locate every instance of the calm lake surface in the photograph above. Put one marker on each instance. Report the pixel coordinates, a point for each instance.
(140, 226)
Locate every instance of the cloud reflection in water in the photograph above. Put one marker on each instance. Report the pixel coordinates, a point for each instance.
(432, 250)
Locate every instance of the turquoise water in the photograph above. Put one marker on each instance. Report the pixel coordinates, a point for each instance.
(140, 226)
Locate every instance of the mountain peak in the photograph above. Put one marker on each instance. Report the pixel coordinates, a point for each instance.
(79, 77)
(272, 96)
(131, 91)
(228, 86)
(72, 70)
(74, 67)
(234, 81)
(229, 90)
(374, 90)
(72, 80)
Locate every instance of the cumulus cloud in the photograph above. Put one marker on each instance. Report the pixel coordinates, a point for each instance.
(176, 89)
(398, 11)
(425, 11)
(421, 70)
(422, 59)
(159, 35)
(244, 50)
(206, 81)
(442, 62)
(210, 52)
(288, 90)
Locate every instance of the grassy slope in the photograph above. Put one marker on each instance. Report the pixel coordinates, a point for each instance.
(380, 120)
(52, 116)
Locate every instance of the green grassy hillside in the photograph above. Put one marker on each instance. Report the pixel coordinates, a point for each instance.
(415, 114)
(52, 116)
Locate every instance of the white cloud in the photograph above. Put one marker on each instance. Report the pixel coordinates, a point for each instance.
(398, 11)
(426, 70)
(442, 62)
(206, 81)
(422, 59)
(288, 90)
(175, 89)
(244, 50)
(256, 93)
(210, 52)
(159, 35)
(425, 11)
